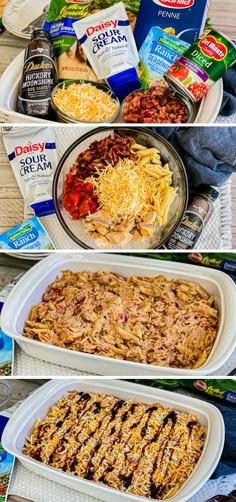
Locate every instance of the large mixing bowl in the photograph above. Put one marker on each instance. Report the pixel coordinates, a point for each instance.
(147, 138)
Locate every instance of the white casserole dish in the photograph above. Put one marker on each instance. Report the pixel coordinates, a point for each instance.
(37, 405)
(10, 81)
(31, 287)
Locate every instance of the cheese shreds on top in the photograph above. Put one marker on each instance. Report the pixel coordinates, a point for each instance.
(86, 102)
(124, 190)
(137, 448)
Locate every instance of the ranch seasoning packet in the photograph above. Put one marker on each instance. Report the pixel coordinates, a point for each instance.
(158, 52)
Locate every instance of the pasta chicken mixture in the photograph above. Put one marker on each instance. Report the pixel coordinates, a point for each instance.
(150, 320)
(127, 189)
(139, 448)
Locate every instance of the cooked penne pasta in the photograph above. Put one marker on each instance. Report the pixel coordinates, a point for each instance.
(138, 448)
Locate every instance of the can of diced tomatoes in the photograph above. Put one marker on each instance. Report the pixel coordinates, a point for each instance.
(202, 65)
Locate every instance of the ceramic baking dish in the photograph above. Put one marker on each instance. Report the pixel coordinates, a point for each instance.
(31, 287)
(37, 405)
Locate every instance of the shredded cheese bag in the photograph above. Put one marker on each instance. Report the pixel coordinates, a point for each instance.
(86, 102)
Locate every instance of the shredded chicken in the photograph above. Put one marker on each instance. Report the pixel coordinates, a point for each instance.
(143, 319)
(139, 448)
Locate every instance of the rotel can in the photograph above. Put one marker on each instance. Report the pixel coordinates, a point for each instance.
(202, 65)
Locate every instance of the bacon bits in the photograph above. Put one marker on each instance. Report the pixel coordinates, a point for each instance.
(79, 197)
(156, 105)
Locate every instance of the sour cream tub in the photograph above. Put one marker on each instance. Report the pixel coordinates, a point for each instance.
(37, 406)
(31, 287)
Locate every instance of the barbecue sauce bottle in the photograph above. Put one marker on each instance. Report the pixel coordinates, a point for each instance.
(38, 78)
(199, 211)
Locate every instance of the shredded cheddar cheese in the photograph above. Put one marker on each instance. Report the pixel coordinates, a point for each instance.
(124, 190)
(130, 189)
(134, 197)
(86, 102)
(164, 445)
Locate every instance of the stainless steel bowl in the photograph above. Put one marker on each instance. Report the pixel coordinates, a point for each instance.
(147, 138)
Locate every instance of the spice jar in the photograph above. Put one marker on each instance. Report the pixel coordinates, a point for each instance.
(198, 213)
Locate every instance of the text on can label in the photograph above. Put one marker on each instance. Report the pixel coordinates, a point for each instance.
(212, 48)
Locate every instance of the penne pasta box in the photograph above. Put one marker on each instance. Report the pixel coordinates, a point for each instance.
(184, 19)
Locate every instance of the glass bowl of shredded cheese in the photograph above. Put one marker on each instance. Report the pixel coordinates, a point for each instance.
(85, 101)
(120, 187)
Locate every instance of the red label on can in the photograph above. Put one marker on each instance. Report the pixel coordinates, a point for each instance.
(213, 49)
(200, 385)
(176, 4)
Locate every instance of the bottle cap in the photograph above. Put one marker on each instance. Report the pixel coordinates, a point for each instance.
(44, 208)
(124, 83)
(39, 33)
(210, 193)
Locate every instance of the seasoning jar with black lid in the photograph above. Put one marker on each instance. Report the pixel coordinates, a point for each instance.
(39, 76)
(198, 213)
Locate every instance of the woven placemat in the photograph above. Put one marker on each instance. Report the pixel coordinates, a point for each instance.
(25, 365)
(218, 232)
(27, 484)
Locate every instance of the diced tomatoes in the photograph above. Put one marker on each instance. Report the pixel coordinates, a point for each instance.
(87, 206)
(79, 198)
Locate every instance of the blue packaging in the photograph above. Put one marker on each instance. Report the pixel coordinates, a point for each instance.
(158, 52)
(6, 343)
(124, 83)
(6, 463)
(29, 235)
(6, 355)
(183, 18)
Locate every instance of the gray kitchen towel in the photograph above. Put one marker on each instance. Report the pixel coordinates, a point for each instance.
(208, 153)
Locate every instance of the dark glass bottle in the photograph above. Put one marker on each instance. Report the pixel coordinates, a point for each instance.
(197, 215)
(38, 78)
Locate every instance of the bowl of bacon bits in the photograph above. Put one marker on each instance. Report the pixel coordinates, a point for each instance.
(157, 105)
(120, 187)
(76, 101)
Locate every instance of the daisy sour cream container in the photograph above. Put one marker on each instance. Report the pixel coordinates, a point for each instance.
(108, 42)
(202, 65)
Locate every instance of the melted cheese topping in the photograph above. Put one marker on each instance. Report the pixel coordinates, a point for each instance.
(137, 448)
(86, 102)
